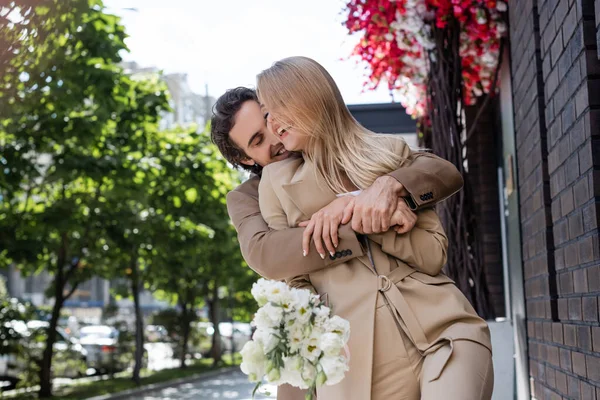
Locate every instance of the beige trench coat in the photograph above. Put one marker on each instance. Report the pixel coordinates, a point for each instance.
(423, 302)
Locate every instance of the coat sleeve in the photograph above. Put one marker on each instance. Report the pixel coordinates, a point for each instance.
(424, 248)
(275, 217)
(428, 179)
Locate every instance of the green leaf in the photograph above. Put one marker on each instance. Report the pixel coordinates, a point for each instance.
(177, 201)
(191, 195)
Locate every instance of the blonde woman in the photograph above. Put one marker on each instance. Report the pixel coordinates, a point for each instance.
(413, 333)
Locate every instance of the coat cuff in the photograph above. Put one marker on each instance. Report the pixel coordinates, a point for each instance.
(349, 247)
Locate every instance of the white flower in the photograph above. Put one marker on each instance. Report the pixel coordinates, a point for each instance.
(268, 316)
(279, 293)
(310, 347)
(331, 344)
(301, 297)
(259, 292)
(501, 6)
(253, 361)
(334, 369)
(339, 326)
(321, 314)
(292, 372)
(267, 338)
(302, 306)
(295, 337)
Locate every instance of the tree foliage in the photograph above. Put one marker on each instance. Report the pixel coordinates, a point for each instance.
(89, 185)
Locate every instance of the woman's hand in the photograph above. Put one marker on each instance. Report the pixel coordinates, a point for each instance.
(403, 219)
(323, 225)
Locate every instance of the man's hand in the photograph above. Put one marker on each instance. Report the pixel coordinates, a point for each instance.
(323, 226)
(373, 208)
(403, 219)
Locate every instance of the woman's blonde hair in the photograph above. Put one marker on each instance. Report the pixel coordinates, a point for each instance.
(301, 93)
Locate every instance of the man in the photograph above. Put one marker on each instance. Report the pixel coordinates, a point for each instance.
(239, 130)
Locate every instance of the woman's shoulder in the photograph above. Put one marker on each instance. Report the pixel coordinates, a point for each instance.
(281, 171)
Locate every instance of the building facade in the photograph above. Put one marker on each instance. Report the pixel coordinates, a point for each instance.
(555, 94)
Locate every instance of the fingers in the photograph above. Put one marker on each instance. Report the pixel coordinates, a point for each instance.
(327, 236)
(334, 234)
(400, 229)
(357, 220)
(386, 220)
(318, 235)
(306, 236)
(347, 214)
(375, 221)
(304, 224)
(366, 222)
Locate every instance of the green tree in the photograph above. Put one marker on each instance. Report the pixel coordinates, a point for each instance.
(128, 197)
(195, 248)
(62, 104)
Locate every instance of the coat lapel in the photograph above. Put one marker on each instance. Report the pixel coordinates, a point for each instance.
(306, 192)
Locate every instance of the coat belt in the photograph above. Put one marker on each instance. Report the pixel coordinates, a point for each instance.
(407, 321)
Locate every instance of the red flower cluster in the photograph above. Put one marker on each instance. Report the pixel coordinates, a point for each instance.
(397, 38)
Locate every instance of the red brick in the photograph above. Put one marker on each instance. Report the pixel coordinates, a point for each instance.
(563, 309)
(561, 382)
(596, 338)
(587, 391)
(552, 355)
(580, 282)
(557, 332)
(573, 385)
(584, 337)
(547, 331)
(575, 309)
(593, 367)
(565, 360)
(570, 335)
(594, 279)
(590, 308)
(551, 377)
(575, 225)
(565, 283)
(579, 366)
(586, 249)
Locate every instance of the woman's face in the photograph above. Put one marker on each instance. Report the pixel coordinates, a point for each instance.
(292, 138)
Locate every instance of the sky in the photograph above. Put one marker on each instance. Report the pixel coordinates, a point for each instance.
(225, 43)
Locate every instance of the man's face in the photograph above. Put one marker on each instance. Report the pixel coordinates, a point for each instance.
(250, 133)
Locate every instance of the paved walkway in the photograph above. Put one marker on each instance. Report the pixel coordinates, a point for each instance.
(228, 385)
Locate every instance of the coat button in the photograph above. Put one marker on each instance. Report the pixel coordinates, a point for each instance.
(331, 257)
(338, 254)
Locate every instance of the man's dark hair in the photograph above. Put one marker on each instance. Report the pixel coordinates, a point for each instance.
(223, 119)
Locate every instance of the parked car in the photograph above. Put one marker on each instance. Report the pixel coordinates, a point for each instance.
(102, 345)
(242, 333)
(69, 356)
(109, 349)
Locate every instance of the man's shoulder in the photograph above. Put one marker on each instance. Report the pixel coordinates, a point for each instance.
(248, 187)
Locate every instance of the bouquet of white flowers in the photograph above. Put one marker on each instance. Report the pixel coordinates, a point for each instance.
(296, 341)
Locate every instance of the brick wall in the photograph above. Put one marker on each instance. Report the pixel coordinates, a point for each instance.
(556, 93)
(482, 159)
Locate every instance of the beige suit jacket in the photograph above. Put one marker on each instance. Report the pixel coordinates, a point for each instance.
(266, 251)
(430, 309)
